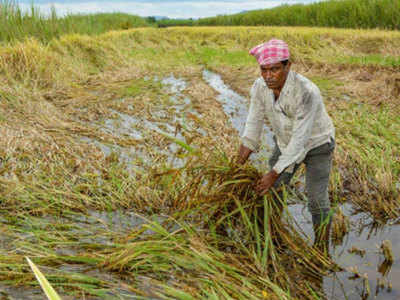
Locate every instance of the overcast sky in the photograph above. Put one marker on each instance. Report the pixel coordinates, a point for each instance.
(170, 8)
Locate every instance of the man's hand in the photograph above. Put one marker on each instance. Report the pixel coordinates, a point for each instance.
(266, 182)
(243, 155)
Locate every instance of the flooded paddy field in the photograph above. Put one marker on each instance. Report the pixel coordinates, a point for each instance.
(124, 185)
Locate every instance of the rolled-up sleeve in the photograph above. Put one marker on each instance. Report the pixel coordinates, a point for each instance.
(255, 120)
(304, 119)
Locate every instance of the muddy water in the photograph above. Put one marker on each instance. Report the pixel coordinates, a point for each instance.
(362, 234)
(97, 229)
(167, 120)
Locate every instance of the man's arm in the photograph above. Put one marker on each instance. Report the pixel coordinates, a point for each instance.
(253, 127)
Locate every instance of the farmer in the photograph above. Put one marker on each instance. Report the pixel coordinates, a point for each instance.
(304, 132)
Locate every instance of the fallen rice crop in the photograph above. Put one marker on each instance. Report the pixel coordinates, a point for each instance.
(117, 185)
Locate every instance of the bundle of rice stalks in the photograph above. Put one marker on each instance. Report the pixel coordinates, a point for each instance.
(229, 237)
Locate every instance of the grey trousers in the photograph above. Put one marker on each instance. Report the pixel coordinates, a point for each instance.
(318, 162)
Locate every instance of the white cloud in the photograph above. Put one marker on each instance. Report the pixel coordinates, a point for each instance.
(172, 9)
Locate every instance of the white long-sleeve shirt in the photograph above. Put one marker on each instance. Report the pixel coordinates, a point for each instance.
(298, 118)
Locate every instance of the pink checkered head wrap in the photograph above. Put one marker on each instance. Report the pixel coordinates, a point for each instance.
(270, 52)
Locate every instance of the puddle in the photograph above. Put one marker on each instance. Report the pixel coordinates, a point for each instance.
(130, 157)
(97, 229)
(235, 107)
(167, 120)
(115, 220)
(7, 292)
(136, 127)
(14, 293)
(363, 236)
(122, 125)
(120, 222)
(174, 85)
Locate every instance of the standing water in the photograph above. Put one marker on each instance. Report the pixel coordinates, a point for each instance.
(166, 120)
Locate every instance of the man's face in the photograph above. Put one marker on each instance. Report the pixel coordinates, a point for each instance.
(275, 74)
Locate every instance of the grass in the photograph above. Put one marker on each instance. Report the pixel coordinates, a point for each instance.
(365, 14)
(372, 59)
(18, 25)
(379, 130)
(166, 213)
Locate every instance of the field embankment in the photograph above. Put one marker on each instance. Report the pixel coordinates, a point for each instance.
(384, 14)
(98, 128)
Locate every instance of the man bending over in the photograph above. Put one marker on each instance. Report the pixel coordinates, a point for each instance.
(304, 133)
